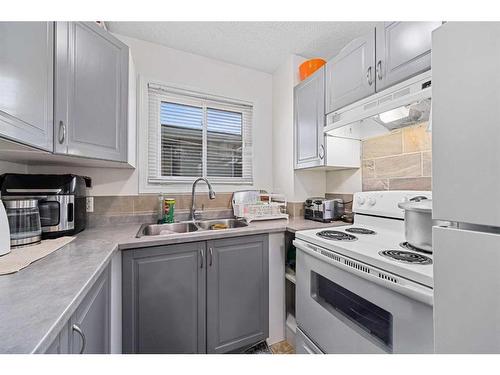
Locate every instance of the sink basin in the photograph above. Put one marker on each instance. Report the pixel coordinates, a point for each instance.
(189, 226)
(162, 229)
(221, 224)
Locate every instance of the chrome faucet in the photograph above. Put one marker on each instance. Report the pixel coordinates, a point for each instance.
(211, 195)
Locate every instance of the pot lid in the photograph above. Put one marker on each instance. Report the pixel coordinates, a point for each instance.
(421, 205)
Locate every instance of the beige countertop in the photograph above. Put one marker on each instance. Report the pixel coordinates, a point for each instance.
(37, 301)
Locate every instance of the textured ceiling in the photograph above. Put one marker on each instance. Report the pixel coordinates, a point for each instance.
(258, 45)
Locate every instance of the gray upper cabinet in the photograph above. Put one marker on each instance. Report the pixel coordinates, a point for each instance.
(350, 75)
(309, 120)
(237, 292)
(26, 82)
(90, 325)
(403, 50)
(164, 299)
(91, 92)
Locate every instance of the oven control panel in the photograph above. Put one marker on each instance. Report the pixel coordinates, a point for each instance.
(384, 203)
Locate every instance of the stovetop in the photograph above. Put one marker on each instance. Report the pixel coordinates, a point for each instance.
(388, 237)
(336, 235)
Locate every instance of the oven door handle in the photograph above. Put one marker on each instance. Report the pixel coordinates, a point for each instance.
(363, 316)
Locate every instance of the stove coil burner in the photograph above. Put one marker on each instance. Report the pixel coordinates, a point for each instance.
(360, 231)
(407, 246)
(406, 256)
(335, 235)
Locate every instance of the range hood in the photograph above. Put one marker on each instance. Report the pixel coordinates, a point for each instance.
(401, 105)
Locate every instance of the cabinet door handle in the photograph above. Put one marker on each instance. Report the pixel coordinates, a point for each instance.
(76, 328)
(369, 77)
(62, 132)
(379, 70)
(202, 257)
(322, 152)
(211, 252)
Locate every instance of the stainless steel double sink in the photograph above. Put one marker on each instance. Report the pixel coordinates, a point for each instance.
(190, 226)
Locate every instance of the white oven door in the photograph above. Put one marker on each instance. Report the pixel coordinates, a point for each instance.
(343, 312)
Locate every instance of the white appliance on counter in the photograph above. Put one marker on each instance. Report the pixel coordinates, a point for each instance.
(4, 231)
(466, 186)
(361, 288)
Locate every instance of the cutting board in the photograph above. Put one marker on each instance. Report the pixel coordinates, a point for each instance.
(22, 257)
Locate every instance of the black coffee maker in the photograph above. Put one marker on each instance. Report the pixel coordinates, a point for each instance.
(61, 199)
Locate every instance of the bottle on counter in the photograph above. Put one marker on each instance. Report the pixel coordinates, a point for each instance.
(166, 209)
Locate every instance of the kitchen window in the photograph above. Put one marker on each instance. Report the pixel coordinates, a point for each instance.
(193, 135)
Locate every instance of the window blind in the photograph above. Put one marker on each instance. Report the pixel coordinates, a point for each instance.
(192, 135)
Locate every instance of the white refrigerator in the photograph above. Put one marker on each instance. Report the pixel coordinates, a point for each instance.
(466, 186)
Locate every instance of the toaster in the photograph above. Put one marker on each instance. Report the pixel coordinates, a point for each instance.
(322, 209)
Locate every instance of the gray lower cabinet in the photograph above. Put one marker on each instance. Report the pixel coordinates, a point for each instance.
(237, 292)
(403, 50)
(88, 331)
(164, 299)
(91, 92)
(309, 121)
(26, 84)
(199, 297)
(90, 325)
(350, 76)
(61, 343)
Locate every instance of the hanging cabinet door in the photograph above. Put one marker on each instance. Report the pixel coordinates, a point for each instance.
(26, 82)
(61, 344)
(164, 299)
(237, 292)
(91, 323)
(309, 120)
(403, 50)
(350, 75)
(91, 92)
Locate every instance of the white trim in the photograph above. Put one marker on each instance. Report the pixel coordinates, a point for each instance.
(199, 95)
(158, 135)
(182, 184)
(204, 145)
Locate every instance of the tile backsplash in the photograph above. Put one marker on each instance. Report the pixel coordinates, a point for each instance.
(145, 204)
(144, 208)
(110, 210)
(400, 160)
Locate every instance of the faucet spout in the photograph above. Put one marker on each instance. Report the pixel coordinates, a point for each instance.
(211, 195)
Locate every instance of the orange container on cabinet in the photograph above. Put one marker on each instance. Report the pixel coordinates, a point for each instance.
(309, 67)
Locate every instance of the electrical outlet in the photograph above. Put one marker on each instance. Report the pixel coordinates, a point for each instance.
(90, 204)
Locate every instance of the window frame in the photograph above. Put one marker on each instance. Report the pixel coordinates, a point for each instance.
(204, 101)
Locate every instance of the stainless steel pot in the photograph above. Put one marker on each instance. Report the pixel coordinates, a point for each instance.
(418, 222)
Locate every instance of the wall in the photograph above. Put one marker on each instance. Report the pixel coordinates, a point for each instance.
(400, 160)
(282, 148)
(296, 185)
(9, 167)
(344, 181)
(166, 65)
